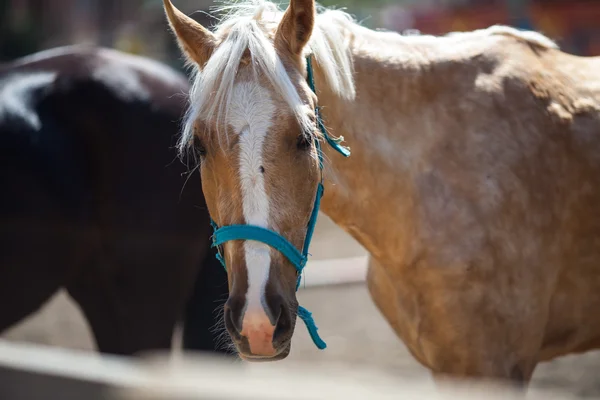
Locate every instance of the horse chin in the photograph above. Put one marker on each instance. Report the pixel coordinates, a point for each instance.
(280, 355)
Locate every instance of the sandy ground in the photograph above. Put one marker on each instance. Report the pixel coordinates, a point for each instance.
(354, 330)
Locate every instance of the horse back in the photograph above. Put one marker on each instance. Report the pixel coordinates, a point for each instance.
(64, 111)
(36, 149)
(88, 140)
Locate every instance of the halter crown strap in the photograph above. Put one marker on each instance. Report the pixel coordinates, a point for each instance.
(275, 240)
(333, 142)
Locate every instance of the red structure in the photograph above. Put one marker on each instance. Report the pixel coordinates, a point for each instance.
(575, 24)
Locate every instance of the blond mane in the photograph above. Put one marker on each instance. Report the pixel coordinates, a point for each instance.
(248, 26)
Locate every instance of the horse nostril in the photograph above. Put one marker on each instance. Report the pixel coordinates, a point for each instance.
(283, 324)
(233, 317)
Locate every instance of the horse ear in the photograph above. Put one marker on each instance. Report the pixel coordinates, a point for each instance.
(296, 25)
(196, 42)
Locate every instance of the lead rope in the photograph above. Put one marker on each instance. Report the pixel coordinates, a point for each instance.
(275, 240)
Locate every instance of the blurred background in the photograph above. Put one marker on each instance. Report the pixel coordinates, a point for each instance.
(355, 331)
(138, 26)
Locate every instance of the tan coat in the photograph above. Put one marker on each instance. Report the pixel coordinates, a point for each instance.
(474, 183)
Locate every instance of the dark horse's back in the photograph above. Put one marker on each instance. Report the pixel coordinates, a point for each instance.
(94, 199)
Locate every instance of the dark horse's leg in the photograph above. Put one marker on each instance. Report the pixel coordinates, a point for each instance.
(41, 240)
(128, 316)
(36, 253)
(135, 290)
(203, 328)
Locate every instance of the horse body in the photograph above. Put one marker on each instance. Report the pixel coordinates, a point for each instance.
(472, 180)
(485, 156)
(94, 198)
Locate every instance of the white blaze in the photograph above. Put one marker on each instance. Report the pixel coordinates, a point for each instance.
(250, 116)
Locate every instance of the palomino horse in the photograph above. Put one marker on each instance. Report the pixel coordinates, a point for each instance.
(93, 199)
(473, 179)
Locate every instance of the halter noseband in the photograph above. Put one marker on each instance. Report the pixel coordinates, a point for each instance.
(274, 239)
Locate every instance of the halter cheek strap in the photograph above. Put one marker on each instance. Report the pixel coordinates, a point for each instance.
(275, 240)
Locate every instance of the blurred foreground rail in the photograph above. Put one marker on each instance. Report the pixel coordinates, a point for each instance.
(35, 372)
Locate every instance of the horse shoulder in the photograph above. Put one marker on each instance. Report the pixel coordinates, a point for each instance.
(487, 196)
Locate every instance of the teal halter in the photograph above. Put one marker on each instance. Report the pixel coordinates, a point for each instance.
(274, 239)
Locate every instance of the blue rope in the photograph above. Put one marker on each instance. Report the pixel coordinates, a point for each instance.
(333, 142)
(312, 222)
(260, 234)
(306, 316)
(273, 239)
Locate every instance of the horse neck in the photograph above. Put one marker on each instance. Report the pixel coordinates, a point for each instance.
(369, 193)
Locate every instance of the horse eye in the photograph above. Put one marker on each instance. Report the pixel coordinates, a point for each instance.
(304, 142)
(199, 147)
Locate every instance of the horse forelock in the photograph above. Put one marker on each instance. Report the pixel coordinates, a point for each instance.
(248, 28)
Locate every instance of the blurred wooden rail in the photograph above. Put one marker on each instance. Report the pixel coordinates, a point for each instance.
(31, 372)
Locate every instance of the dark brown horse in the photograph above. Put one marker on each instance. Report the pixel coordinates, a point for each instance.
(94, 200)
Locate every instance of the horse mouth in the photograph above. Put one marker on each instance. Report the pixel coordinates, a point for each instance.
(279, 355)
